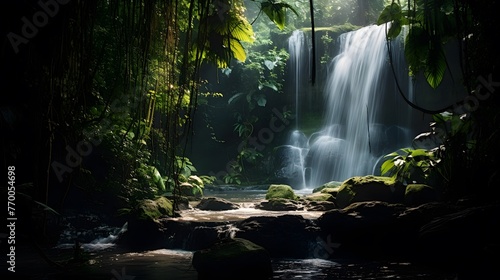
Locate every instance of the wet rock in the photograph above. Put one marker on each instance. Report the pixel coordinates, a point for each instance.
(320, 205)
(144, 228)
(417, 194)
(369, 188)
(233, 259)
(363, 228)
(280, 204)
(329, 185)
(281, 191)
(319, 196)
(282, 236)
(216, 204)
(465, 239)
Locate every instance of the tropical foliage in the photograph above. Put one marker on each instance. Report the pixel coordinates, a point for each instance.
(431, 24)
(409, 165)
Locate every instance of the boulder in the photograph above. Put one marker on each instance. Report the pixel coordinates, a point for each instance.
(362, 228)
(333, 191)
(145, 230)
(332, 184)
(288, 236)
(216, 204)
(320, 205)
(233, 259)
(369, 188)
(417, 194)
(280, 204)
(148, 209)
(280, 191)
(319, 196)
(466, 240)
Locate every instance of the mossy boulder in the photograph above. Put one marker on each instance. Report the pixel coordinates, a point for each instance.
(329, 185)
(145, 230)
(233, 259)
(153, 209)
(320, 196)
(281, 191)
(369, 188)
(418, 194)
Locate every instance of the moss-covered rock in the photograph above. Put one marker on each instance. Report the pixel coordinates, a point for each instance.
(145, 230)
(418, 194)
(369, 188)
(233, 259)
(281, 191)
(329, 185)
(153, 209)
(320, 196)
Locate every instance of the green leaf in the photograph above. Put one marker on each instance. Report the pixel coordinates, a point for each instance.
(270, 85)
(234, 97)
(387, 166)
(416, 49)
(418, 152)
(238, 50)
(277, 12)
(269, 64)
(394, 30)
(436, 66)
(390, 13)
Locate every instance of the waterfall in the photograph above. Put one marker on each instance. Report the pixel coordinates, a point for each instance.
(365, 117)
(297, 49)
(290, 158)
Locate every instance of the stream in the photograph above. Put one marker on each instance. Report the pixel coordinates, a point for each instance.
(107, 260)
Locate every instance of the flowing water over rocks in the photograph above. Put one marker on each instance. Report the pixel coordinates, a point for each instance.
(292, 238)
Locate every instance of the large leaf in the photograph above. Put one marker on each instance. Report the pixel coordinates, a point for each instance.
(416, 48)
(238, 50)
(277, 12)
(390, 13)
(436, 66)
(223, 38)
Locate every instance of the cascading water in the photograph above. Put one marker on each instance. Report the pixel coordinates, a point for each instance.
(298, 58)
(291, 157)
(365, 117)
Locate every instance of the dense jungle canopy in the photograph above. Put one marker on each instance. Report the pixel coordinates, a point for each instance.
(99, 96)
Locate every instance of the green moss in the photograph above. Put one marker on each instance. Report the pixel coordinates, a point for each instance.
(153, 209)
(335, 29)
(319, 197)
(329, 185)
(281, 191)
(369, 188)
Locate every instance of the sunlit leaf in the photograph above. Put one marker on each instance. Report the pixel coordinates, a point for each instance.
(270, 85)
(269, 64)
(386, 167)
(435, 67)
